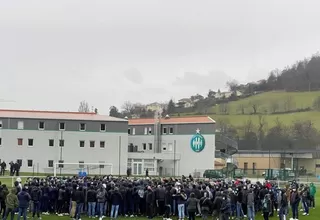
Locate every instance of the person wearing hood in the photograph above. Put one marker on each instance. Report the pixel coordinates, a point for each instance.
(313, 191)
(206, 207)
(192, 206)
(283, 205)
(91, 198)
(11, 204)
(24, 200)
(294, 202)
(266, 206)
(250, 205)
(101, 200)
(115, 200)
(36, 195)
(80, 199)
(225, 209)
(150, 202)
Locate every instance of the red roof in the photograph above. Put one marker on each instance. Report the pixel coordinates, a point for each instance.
(173, 120)
(86, 116)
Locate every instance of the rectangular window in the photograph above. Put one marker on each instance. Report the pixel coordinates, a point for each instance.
(0, 124)
(92, 143)
(41, 125)
(30, 142)
(0, 141)
(150, 130)
(129, 131)
(51, 142)
(144, 145)
(145, 130)
(150, 146)
(133, 131)
(20, 141)
(61, 143)
(81, 164)
(20, 125)
(61, 165)
(101, 166)
(164, 131)
(82, 127)
(103, 127)
(81, 143)
(62, 126)
(170, 146)
(171, 130)
(254, 167)
(50, 163)
(30, 163)
(102, 144)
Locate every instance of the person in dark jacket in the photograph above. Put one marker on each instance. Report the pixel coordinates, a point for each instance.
(101, 200)
(266, 206)
(167, 203)
(206, 206)
(80, 198)
(294, 202)
(36, 195)
(283, 212)
(150, 202)
(192, 206)
(24, 200)
(91, 199)
(225, 209)
(115, 200)
(160, 197)
(11, 204)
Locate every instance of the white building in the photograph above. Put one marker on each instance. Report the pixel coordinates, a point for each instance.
(39, 139)
(171, 146)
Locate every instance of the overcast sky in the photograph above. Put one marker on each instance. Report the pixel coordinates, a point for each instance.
(53, 54)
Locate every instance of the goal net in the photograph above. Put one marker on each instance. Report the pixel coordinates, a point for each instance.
(82, 169)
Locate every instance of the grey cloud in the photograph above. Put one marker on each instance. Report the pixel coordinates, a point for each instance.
(133, 75)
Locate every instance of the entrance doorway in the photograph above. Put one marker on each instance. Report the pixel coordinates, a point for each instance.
(137, 168)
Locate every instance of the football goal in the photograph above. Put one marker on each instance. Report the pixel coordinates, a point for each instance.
(82, 169)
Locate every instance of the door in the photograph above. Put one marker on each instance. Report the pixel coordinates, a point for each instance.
(137, 168)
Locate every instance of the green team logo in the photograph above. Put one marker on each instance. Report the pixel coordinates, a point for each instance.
(197, 142)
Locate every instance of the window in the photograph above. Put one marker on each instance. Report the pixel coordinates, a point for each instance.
(81, 164)
(133, 131)
(102, 144)
(81, 143)
(50, 163)
(129, 131)
(51, 142)
(0, 124)
(150, 146)
(164, 146)
(145, 130)
(144, 145)
(30, 142)
(101, 166)
(82, 127)
(61, 143)
(150, 131)
(61, 165)
(164, 131)
(0, 141)
(20, 125)
(92, 143)
(30, 163)
(41, 125)
(245, 167)
(254, 167)
(103, 127)
(20, 141)
(170, 146)
(171, 130)
(62, 126)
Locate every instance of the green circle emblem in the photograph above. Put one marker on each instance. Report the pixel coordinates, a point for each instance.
(197, 143)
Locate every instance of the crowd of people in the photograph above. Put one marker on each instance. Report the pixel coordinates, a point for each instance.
(14, 168)
(184, 198)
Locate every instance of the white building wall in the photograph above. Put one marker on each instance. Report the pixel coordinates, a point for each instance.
(41, 152)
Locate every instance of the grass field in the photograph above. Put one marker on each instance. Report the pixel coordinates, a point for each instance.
(314, 213)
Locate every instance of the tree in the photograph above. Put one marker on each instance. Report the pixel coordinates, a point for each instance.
(274, 106)
(232, 85)
(224, 108)
(96, 110)
(261, 130)
(171, 108)
(127, 107)
(316, 103)
(223, 125)
(288, 103)
(255, 106)
(114, 112)
(241, 108)
(84, 107)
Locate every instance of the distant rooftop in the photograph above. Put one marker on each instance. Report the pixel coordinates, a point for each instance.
(173, 120)
(33, 114)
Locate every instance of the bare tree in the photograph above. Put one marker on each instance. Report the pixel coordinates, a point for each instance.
(224, 108)
(223, 125)
(261, 129)
(288, 103)
(241, 108)
(274, 106)
(127, 107)
(255, 106)
(232, 85)
(83, 107)
(248, 126)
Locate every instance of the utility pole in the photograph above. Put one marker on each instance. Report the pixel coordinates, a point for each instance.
(119, 156)
(174, 158)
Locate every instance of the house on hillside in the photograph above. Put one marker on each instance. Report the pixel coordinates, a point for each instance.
(154, 106)
(185, 103)
(227, 94)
